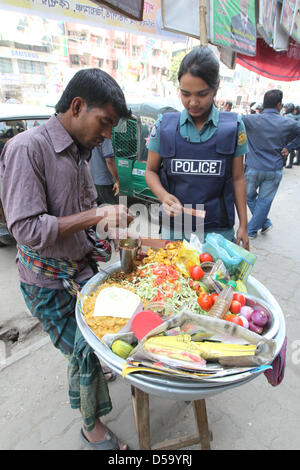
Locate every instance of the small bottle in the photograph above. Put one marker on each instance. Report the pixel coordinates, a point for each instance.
(223, 301)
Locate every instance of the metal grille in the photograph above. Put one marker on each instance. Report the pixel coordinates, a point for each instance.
(125, 138)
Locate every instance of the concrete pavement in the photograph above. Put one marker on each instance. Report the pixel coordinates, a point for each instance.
(34, 409)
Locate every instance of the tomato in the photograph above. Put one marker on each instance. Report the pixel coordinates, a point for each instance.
(196, 272)
(234, 319)
(235, 306)
(205, 301)
(240, 298)
(205, 257)
(213, 297)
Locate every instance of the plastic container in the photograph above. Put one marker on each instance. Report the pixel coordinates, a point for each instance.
(223, 301)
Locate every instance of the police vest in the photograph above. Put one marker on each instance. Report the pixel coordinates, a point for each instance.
(200, 173)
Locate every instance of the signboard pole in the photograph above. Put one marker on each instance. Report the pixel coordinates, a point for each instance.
(202, 21)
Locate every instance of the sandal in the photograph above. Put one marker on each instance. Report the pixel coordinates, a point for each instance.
(109, 375)
(109, 443)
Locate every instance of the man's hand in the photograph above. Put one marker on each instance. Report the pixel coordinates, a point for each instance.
(114, 222)
(116, 187)
(113, 216)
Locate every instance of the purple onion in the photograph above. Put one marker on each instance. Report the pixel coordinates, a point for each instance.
(246, 312)
(253, 327)
(259, 317)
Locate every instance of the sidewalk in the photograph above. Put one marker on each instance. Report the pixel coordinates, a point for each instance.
(34, 409)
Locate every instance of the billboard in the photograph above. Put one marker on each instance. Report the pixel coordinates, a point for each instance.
(233, 25)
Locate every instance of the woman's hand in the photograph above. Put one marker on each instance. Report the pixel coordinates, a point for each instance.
(171, 205)
(242, 236)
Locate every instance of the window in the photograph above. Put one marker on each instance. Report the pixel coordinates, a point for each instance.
(30, 66)
(5, 65)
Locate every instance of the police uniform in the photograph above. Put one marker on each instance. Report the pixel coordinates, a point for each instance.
(196, 166)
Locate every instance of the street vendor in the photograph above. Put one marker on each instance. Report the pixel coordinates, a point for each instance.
(48, 198)
(196, 157)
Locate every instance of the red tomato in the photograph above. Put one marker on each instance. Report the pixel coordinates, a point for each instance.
(234, 319)
(205, 301)
(240, 298)
(213, 297)
(204, 257)
(235, 306)
(196, 272)
(229, 316)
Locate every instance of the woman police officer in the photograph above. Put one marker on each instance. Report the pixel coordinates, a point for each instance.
(196, 156)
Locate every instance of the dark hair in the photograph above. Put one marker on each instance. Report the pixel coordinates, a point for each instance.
(229, 103)
(201, 62)
(290, 108)
(272, 98)
(97, 88)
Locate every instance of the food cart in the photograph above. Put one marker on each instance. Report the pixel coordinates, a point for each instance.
(180, 389)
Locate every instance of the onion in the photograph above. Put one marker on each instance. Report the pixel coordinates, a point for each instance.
(246, 312)
(259, 317)
(245, 321)
(253, 327)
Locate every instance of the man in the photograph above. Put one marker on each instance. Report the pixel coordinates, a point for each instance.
(270, 138)
(105, 173)
(228, 106)
(49, 200)
(243, 31)
(290, 113)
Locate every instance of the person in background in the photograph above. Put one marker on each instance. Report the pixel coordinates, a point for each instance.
(105, 174)
(270, 138)
(297, 118)
(196, 156)
(228, 106)
(253, 107)
(290, 113)
(49, 200)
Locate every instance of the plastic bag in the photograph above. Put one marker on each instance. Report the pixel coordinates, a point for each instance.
(187, 257)
(238, 261)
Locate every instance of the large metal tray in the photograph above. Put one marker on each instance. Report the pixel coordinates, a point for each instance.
(176, 388)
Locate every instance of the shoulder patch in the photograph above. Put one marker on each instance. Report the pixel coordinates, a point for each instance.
(242, 138)
(153, 131)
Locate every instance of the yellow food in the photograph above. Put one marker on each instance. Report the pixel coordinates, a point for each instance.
(175, 345)
(100, 325)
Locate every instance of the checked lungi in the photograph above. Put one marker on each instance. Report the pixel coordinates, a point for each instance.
(55, 308)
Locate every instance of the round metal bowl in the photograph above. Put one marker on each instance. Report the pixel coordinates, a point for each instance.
(171, 387)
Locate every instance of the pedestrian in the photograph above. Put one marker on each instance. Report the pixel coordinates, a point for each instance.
(105, 174)
(271, 137)
(290, 113)
(228, 106)
(297, 118)
(49, 200)
(196, 156)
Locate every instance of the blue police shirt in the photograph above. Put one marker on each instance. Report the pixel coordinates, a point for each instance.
(268, 133)
(188, 130)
